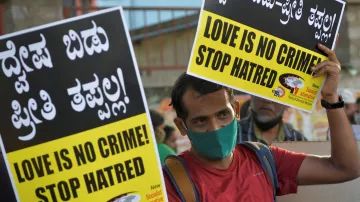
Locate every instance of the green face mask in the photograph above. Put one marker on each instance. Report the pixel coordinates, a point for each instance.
(215, 145)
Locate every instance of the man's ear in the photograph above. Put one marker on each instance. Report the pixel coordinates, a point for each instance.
(237, 109)
(180, 125)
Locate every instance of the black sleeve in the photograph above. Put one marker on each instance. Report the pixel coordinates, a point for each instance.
(6, 190)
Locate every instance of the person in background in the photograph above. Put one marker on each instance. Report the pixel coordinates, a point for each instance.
(158, 125)
(265, 124)
(357, 113)
(170, 137)
(350, 106)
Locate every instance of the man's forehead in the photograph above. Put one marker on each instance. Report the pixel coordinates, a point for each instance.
(192, 95)
(203, 105)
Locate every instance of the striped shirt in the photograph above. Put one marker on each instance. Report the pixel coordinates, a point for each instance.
(247, 131)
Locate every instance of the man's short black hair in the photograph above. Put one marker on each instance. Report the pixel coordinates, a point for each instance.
(203, 87)
(156, 118)
(358, 100)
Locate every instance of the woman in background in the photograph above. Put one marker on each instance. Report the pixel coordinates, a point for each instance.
(170, 138)
(158, 125)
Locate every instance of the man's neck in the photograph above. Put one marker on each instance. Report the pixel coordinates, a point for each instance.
(218, 164)
(270, 135)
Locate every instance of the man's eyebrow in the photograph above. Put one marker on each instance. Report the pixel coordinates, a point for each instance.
(199, 117)
(204, 116)
(223, 110)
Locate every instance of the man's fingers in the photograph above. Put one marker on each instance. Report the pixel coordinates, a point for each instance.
(329, 53)
(321, 65)
(325, 49)
(320, 71)
(331, 69)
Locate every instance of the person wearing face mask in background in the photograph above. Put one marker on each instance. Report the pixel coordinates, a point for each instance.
(265, 124)
(158, 125)
(350, 104)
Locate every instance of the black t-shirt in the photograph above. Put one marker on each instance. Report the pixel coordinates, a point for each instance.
(6, 190)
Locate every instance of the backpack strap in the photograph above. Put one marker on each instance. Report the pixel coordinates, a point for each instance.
(177, 171)
(266, 158)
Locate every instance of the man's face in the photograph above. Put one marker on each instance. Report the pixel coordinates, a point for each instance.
(208, 112)
(266, 110)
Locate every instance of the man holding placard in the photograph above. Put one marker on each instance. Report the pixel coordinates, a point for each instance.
(218, 170)
(283, 55)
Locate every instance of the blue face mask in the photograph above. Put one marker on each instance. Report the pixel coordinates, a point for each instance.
(215, 145)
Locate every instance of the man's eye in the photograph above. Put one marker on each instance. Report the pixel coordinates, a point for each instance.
(199, 121)
(223, 114)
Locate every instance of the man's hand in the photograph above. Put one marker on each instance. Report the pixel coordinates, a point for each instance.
(332, 68)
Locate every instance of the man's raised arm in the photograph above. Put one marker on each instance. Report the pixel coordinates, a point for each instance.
(344, 162)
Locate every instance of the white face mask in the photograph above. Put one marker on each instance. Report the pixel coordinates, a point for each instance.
(357, 118)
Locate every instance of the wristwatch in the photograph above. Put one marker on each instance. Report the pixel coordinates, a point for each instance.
(335, 105)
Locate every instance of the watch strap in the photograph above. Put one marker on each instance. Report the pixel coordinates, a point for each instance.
(336, 105)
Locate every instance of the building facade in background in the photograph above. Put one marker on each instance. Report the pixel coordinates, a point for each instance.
(163, 32)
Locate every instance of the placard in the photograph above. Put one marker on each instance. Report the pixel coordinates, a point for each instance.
(74, 118)
(266, 47)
